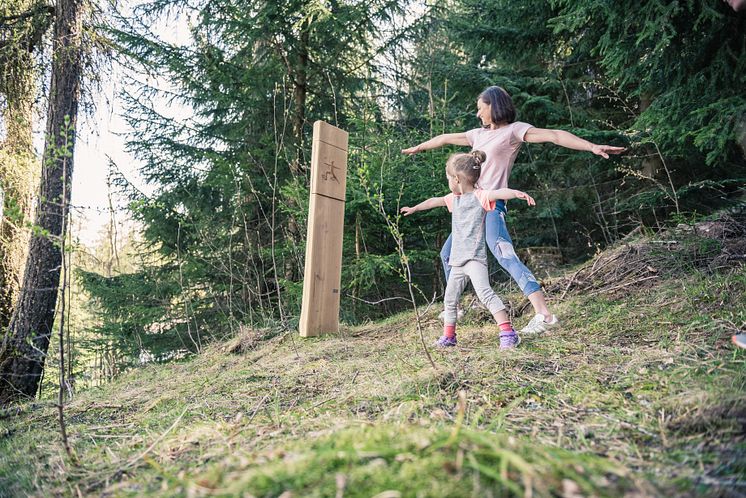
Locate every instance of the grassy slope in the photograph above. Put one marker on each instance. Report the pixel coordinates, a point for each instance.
(637, 396)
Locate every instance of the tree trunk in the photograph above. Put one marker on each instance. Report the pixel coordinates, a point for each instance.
(651, 164)
(24, 347)
(22, 26)
(300, 91)
(297, 167)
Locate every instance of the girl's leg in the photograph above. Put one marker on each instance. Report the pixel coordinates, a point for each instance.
(480, 279)
(455, 286)
(445, 256)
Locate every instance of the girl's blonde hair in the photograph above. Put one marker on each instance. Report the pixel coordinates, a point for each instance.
(467, 165)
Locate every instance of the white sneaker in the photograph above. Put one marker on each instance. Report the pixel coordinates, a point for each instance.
(459, 314)
(537, 325)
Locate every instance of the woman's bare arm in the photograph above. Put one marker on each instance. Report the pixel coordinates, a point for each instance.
(439, 141)
(567, 139)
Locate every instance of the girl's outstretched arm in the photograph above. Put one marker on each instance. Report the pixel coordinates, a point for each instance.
(503, 194)
(439, 141)
(432, 202)
(567, 139)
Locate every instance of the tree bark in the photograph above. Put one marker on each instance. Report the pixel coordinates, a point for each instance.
(299, 74)
(651, 164)
(24, 347)
(20, 36)
(300, 91)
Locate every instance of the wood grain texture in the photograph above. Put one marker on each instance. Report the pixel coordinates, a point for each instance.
(323, 267)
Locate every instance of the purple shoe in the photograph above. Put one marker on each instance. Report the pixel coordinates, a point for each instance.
(509, 340)
(445, 342)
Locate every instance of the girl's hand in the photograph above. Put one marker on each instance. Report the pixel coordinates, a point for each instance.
(411, 150)
(523, 195)
(408, 210)
(605, 150)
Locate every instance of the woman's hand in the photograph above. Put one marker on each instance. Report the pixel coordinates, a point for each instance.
(411, 150)
(408, 210)
(605, 150)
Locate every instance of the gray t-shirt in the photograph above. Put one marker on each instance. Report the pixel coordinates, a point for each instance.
(467, 226)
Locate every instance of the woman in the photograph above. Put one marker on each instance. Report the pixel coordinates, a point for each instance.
(501, 137)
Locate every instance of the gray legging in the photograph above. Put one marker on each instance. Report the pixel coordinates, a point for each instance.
(499, 242)
(477, 272)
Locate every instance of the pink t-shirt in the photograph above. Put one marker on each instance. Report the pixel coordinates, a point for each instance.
(480, 194)
(501, 146)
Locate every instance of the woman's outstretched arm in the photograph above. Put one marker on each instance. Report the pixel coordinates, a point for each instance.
(567, 139)
(439, 141)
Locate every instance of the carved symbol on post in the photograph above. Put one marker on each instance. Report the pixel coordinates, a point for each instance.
(330, 174)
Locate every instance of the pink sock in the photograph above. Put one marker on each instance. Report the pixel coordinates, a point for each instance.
(505, 327)
(449, 331)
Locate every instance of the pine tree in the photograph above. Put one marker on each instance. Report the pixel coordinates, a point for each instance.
(227, 223)
(24, 347)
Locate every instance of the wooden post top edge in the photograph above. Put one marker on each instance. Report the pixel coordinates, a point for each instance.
(321, 122)
(330, 135)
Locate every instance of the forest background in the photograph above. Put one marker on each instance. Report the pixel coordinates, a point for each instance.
(220, 125)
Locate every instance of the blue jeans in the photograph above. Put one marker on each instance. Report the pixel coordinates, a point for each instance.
(499, 242)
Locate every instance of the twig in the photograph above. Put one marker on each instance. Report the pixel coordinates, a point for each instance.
(322, 402)
(258, 406)
(569, 284)
(627, 425)
(100, 407)
(406, 271)
(63, 299)
(622, 285)
(160, 438)
(379, 301)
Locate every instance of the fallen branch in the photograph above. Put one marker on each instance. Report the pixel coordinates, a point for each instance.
(616, 287)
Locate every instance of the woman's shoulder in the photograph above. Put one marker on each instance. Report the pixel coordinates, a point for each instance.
(520, 125)
(482, 134)
(518, 130)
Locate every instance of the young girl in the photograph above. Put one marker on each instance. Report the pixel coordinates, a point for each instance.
(468, 257)
(501, 137)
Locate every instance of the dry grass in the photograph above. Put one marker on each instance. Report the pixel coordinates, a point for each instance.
(639, 394)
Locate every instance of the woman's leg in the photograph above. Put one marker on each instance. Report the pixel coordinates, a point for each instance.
(501, 246)
(540, 304)
(445, 255)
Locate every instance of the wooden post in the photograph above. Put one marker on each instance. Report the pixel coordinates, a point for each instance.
(323, 272)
